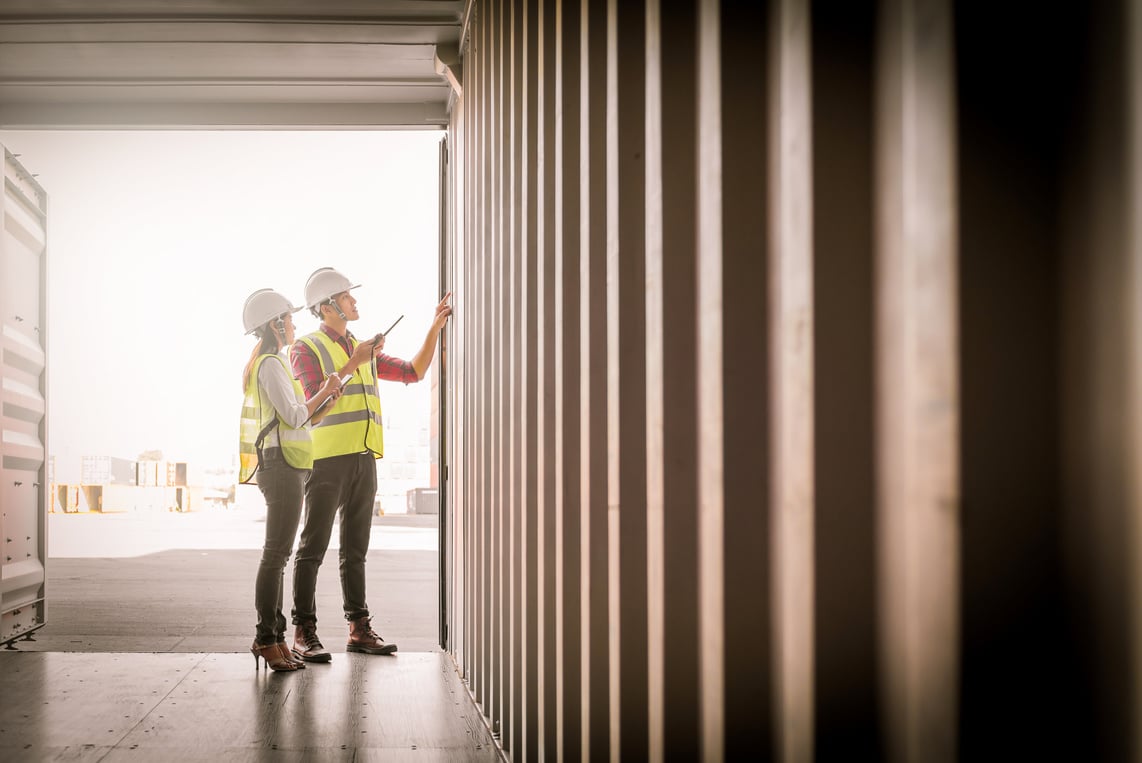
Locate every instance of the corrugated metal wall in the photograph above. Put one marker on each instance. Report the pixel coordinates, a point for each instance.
(794, 410)
(23, 403)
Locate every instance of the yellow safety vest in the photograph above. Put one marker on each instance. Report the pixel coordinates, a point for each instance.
(354, 423)
(296, 444)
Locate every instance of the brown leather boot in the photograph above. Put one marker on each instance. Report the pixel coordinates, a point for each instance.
(362, 638)
(307, 646)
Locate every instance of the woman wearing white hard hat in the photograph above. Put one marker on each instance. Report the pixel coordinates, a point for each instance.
(275, 443)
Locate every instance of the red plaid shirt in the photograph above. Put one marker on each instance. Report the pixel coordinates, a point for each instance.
(307, 368)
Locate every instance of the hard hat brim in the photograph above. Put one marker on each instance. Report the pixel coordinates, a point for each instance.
(291, 312)
(326, 299)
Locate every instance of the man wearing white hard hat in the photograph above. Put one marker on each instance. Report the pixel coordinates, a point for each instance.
(346, 445)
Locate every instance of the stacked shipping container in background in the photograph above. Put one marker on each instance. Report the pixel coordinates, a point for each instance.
(107, 470)
(406, 465)
(109, 485)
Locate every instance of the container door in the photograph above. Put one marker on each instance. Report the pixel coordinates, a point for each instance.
(440, 431)
(23, 403)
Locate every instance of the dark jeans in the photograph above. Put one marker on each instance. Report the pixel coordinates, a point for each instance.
(346, 484)
(283, 487)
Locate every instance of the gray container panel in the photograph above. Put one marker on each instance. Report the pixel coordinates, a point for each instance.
(107, 470)
(23, 403)
(123, 472)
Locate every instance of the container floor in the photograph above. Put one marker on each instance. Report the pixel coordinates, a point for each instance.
(208, 707)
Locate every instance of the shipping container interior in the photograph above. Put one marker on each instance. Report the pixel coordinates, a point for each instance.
(791, 408)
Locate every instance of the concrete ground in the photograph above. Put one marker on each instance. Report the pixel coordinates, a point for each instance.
(167, 582)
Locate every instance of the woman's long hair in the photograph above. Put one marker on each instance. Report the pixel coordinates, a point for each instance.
(268, 344)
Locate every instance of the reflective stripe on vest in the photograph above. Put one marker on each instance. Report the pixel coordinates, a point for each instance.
(296, 444)
(353, 424)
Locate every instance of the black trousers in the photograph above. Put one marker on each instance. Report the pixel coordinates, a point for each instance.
(345, 484)
(284, 490)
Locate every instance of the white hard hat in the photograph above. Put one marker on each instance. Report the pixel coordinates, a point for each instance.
(262, 307)
(323, 283)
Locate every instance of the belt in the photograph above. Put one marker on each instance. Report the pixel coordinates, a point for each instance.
(272, 454)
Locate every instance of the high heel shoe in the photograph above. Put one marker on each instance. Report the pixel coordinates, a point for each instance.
(272, 656)
(289, 655)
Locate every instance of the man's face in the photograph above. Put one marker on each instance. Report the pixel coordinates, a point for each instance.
(347, 304)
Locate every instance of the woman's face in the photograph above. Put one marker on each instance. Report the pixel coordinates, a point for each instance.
(283, 331)
(288, 329)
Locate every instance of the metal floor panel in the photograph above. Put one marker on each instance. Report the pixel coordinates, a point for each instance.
(199, 707)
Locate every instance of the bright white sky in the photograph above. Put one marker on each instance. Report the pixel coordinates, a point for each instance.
(156, 239)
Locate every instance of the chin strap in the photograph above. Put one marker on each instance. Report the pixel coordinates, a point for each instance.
(337, 307)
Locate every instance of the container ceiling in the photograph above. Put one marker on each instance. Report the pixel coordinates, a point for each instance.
(225, 64)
